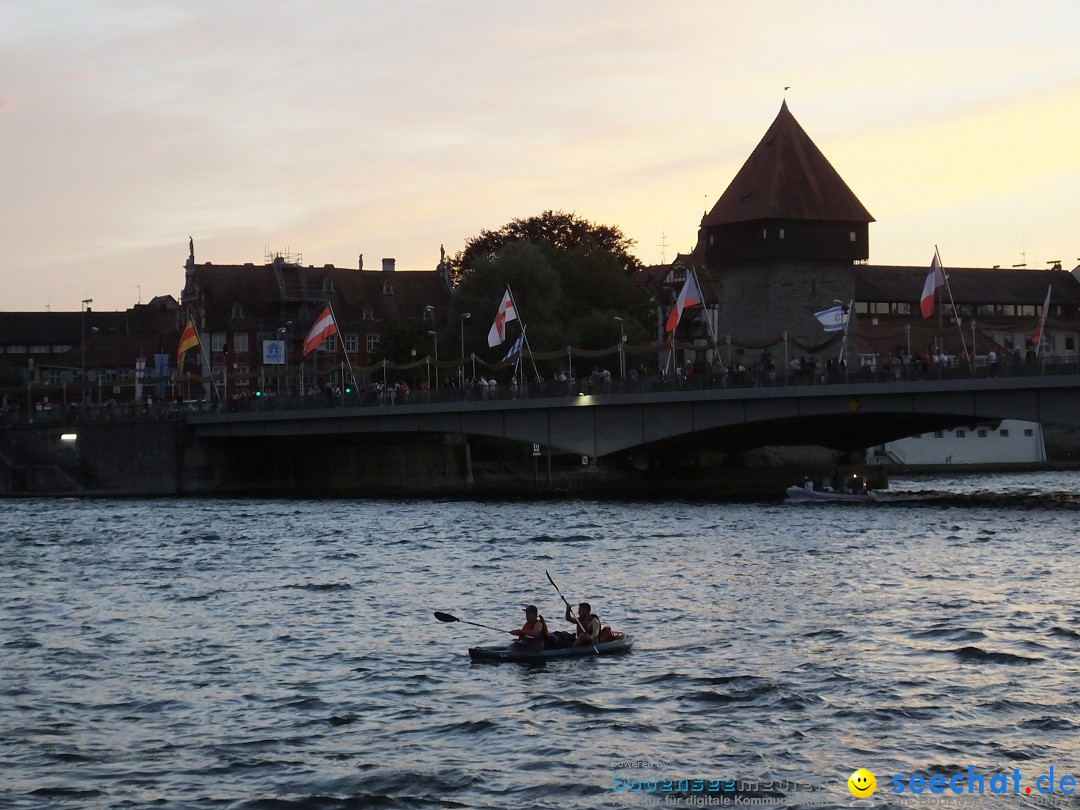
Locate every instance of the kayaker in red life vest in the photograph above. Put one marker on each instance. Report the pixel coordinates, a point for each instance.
(587, 624)
(533, 633)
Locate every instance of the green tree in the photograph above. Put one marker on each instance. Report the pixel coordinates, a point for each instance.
(554, 232)
(537, 291)
(570, 279)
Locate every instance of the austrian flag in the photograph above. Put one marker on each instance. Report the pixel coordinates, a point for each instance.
(507, 312)
(323, 328)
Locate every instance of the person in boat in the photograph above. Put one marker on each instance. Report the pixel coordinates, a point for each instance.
(587, 624)
(533, 634)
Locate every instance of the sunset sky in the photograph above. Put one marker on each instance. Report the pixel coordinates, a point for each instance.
(335, 128)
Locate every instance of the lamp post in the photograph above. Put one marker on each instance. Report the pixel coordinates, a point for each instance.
(284, 354)
(97, 349)
(85, 301)
(435, 336)
(461, 372)
(622, 356)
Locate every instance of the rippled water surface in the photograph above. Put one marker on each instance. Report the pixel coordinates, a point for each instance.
(280, 654)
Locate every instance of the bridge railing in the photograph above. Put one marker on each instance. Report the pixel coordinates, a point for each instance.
(375, 395)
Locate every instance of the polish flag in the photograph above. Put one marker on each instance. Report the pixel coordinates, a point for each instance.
(934, 279)
(323, 328)
(507, 312)
(690, 296)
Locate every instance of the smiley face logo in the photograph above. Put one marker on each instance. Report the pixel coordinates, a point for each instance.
(862, 783)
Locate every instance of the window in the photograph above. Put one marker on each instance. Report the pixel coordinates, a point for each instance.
(851, 238)
(984, 434)
(373, 342)
(1029, 432)
(327, 285)
(240, 342)
(387, 288)
(51, 377)
(241, 377)
(764, 233)
(217, 341)
(368, 314)
(40, 348)
(330, 344)
(238, 310)
(352, 340)
(1004, 433)
(16, 350)
(781, 233)
(960, 434)
(1070, 344)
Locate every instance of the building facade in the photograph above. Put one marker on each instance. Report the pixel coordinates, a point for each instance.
(252, 321)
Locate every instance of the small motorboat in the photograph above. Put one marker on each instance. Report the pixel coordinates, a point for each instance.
(522, 655)
(804, 495)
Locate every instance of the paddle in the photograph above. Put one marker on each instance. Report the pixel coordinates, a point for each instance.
(578, 623)
(446, 617)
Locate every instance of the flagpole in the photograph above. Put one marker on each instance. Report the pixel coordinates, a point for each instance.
(1042, 319)
(705, 312)
(959, 326)
(843, 343)
(206, 359)
(341, 338)
(524, 332)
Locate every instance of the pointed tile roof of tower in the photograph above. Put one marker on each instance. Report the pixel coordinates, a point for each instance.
(787, 177)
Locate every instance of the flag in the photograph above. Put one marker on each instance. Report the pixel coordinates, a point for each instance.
(833, 319)
(189, 339)
(689, 296)
(934, 279)
(514, 349)
(323, 328)
(1036, 338)
(507, 312)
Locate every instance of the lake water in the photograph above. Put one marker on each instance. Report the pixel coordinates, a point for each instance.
(283, 654)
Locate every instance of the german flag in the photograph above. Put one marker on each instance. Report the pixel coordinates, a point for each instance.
(188, 340)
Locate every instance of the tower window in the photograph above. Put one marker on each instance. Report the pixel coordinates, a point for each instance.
(781, 233)
(852, 236)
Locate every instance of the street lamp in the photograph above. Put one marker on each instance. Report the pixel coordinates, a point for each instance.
(461, 372)
(284, 355)
(622, 356)
(97, 348)
(85, 301)
(435, 335)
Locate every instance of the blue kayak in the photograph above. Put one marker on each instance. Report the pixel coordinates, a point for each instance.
(518, 654)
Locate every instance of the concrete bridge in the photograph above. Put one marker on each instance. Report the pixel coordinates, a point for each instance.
(841, 416)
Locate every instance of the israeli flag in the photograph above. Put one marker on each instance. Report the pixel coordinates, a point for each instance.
(516, 347)
(833, 319)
